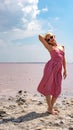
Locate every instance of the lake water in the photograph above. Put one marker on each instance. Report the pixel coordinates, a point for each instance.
(26, 76)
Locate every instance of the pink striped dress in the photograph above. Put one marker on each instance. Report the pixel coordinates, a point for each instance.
(50, 83)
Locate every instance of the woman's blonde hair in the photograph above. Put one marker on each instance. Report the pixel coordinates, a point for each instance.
(50, 34)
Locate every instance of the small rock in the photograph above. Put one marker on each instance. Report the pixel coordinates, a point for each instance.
(59, 123)
(3, 113)
(25, 91)
(71, 128)
(20, 92)
(20, 101)
(39, 103)
(10, 98)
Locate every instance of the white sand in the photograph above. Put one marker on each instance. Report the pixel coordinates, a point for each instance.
(29, 112)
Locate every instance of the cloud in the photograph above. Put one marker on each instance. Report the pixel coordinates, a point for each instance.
(33, 29)
(20, 34)
(57, 18)
(16, 13)
(2, 43)
(50, 27)
(10, 15)
(18, 19)
(45, 9)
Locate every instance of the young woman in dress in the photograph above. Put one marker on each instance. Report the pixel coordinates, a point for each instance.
(50, 84)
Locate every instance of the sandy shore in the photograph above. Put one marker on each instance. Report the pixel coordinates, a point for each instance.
(29, 112)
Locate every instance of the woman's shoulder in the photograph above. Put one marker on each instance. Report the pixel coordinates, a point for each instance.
(61, 47)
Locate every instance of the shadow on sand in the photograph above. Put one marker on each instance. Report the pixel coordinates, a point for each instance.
(28, 117)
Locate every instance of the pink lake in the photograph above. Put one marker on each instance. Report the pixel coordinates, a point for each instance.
(26, 76)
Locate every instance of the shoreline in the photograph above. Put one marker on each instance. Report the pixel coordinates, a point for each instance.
(12, 92)
(14, 77)
(23, 108)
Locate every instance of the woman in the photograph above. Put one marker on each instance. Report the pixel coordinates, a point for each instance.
(50, 84)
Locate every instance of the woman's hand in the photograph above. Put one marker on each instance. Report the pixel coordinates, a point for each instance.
(64, 74)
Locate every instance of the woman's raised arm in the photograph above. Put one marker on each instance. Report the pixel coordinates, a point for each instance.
(41, 38)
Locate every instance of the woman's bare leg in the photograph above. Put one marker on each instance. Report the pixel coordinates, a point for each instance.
(53, 100)
(50, 102)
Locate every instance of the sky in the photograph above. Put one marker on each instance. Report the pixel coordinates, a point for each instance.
(21, 21)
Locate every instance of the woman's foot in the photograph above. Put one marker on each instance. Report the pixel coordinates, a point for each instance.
(56, 110)
(53, 111)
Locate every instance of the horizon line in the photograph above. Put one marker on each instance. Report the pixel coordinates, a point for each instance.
(26, 62)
